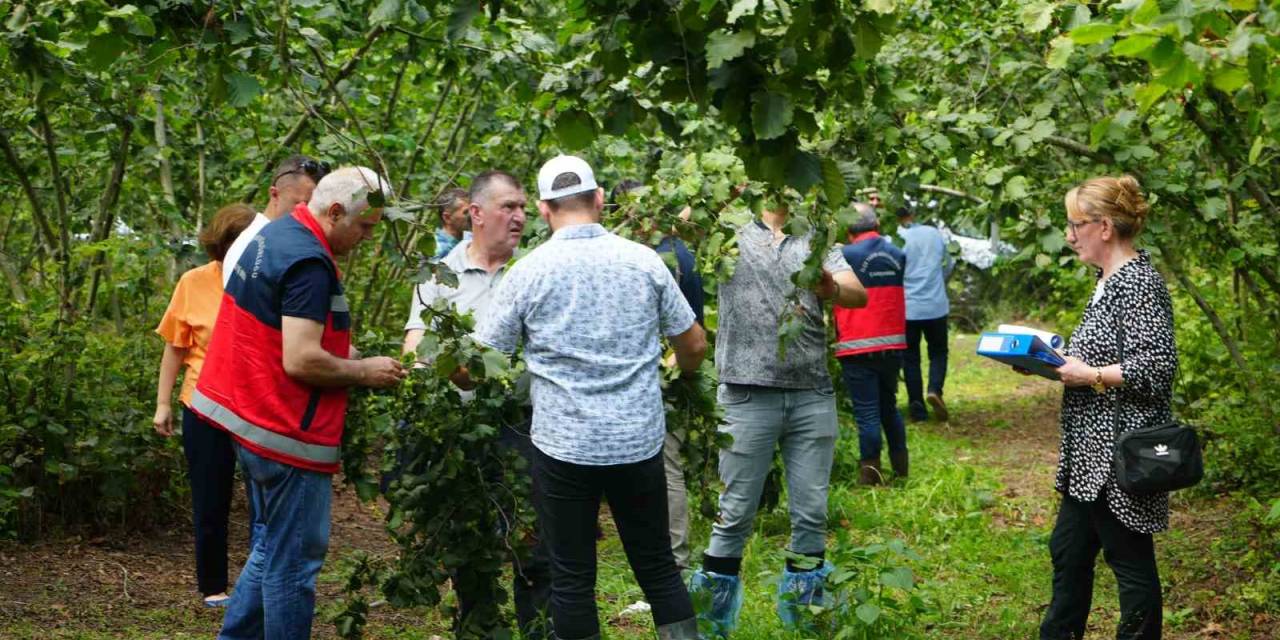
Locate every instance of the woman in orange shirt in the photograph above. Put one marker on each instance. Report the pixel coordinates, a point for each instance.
(211, 461)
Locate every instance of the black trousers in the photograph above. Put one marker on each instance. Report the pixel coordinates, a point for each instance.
(530, 577)
(568, 509)
(1082, 529)
(211, 470)
(934, 332)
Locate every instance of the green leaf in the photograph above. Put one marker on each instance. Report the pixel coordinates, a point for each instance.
(1134, 46)
(1053, 240)
(1060, 50)
(993, 176)
(496, 363)
(867, 39)
(833, 186)
(741, 8)
(1229, 79)
(460, 18)
(1036, 16)
(1181, 73)
(804, 171)
(105, 49)
(1274, 516)
(1148, 94)
(1016, 187)
(771, 113)
(242, 88)
(1043, 260)
(1093, 33)
(1256, 150)
(868, 613)
(723, 46)
(386, 12)
(1041, 130)
(575, 129)
(140, 24)
(880, 6)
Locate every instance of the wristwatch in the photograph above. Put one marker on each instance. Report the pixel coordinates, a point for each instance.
(1097, 381)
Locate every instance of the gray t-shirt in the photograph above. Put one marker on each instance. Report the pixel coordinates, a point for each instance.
(475, 288)
(752, 305)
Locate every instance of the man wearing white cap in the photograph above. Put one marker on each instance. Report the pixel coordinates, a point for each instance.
(592, 308)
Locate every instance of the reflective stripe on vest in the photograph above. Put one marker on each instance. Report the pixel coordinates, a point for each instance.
(338, 304)
(866, 343)
(264, 438)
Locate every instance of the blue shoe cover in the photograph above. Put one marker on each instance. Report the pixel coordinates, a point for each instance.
(718, 599)
(799, 590)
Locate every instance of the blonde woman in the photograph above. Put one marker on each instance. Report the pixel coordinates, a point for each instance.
(211, 462)
(1118, 376)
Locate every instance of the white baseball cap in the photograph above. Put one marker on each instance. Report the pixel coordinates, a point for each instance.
(565, 164)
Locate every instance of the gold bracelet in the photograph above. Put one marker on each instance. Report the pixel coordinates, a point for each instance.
(1097, 385)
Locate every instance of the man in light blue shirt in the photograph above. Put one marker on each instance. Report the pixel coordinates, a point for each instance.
(591, 308)
(925, 282)
(455, 220)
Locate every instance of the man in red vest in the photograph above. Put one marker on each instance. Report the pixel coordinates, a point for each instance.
(276, 378)
(870, 341)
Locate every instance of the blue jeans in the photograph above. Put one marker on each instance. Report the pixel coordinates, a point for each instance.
(872, 381)
(275, 595)
(803, 422)
(934, 332)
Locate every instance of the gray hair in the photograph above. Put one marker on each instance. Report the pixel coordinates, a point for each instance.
(866, 219)
(482, 183)
(349, 187)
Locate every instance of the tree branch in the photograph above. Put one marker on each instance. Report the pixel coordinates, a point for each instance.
(301, 125)
(1173, 264)
(37, 211)
(422, 139)
(947, 191)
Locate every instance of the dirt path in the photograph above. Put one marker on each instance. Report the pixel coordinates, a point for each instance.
(145, 583)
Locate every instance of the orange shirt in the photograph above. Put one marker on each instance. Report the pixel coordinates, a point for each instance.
(188, 322)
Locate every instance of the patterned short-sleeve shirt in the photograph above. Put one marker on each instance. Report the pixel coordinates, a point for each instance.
(1132, 303)
(752, 305)
(590, 307)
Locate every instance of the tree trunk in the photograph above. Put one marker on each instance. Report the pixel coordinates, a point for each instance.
(1174, 266)
(106, 206)
(46, 235)
(165, 166)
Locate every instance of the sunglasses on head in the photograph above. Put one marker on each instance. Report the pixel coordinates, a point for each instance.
(313, 169)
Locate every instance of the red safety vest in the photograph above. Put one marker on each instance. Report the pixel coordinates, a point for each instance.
(243, 387)
(882, 324)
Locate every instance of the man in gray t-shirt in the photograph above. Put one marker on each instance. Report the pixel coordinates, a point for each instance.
(772, 398)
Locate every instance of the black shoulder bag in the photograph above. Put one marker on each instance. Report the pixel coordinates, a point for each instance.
(1156, 459)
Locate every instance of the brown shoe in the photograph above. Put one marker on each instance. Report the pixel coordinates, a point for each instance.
(869, 473)
(900, 461)
(939, 407)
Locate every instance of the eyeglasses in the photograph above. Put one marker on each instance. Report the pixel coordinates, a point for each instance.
(1075, 226)
(313, 169)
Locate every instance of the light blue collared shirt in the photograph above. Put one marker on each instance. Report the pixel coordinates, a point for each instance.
(590, 307)
(928, 265)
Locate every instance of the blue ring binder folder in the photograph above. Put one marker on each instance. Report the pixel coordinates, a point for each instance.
(1021, 350)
